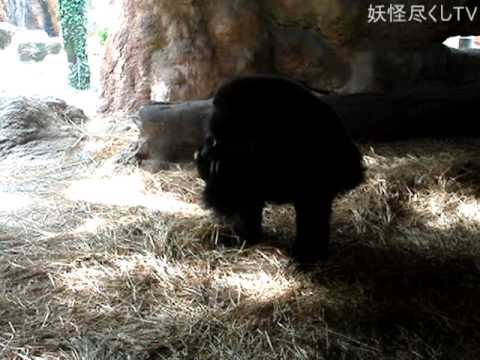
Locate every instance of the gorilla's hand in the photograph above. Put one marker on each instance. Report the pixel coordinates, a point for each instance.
(207, 159)
(216, 157)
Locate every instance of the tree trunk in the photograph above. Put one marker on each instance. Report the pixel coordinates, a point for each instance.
(171, 132)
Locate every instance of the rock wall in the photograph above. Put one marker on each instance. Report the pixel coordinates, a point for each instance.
(3, 11)
(164, 50)
(25, 120)
(180, 50)
(31, 14)
(52, 14)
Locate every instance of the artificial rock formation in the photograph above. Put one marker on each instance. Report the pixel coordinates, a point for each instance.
(178, 50)
(171, 133)
(27, 120)
(31, 14)
(35, 45)
(3, 11)
(7, 31)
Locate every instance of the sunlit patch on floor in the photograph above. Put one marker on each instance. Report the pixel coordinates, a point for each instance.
(84, 279)
(92, 225)
(93, 276)
(436, 210)
(145, 264)
(13, 201)
(440, 210)
(257, 285)
(128, 190)
(470, 211)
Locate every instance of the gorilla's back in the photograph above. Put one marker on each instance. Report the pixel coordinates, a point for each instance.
(287, 128)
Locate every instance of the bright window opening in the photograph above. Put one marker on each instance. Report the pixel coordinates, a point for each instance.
(463, 42)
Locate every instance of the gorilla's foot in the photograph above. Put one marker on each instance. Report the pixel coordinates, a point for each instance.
(308, 255)
(247, 225)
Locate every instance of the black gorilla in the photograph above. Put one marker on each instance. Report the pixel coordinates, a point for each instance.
(271, 140)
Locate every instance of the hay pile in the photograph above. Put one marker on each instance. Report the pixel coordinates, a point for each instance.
(99, 260)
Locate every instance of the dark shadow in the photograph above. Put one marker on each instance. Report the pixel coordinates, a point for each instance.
(400, 295)
(466, 172)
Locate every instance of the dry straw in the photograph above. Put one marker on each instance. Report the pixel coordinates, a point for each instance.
(100, 260)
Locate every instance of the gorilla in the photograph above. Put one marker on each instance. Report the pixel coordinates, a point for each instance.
(271, 140)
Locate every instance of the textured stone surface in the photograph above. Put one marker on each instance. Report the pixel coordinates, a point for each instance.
(54, 45)
(3, 11)
(164, 50)
(32, 51)
(171, 133)
(23, 120)
(31, 14)
(171, 55)
(7, 32)
(33, 45)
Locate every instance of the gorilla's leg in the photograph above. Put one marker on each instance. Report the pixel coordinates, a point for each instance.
(247, 223)
(313, 229)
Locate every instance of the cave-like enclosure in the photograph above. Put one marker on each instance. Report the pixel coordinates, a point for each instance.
(105, 258)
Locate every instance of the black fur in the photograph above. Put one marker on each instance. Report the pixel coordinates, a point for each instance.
(271, 140)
